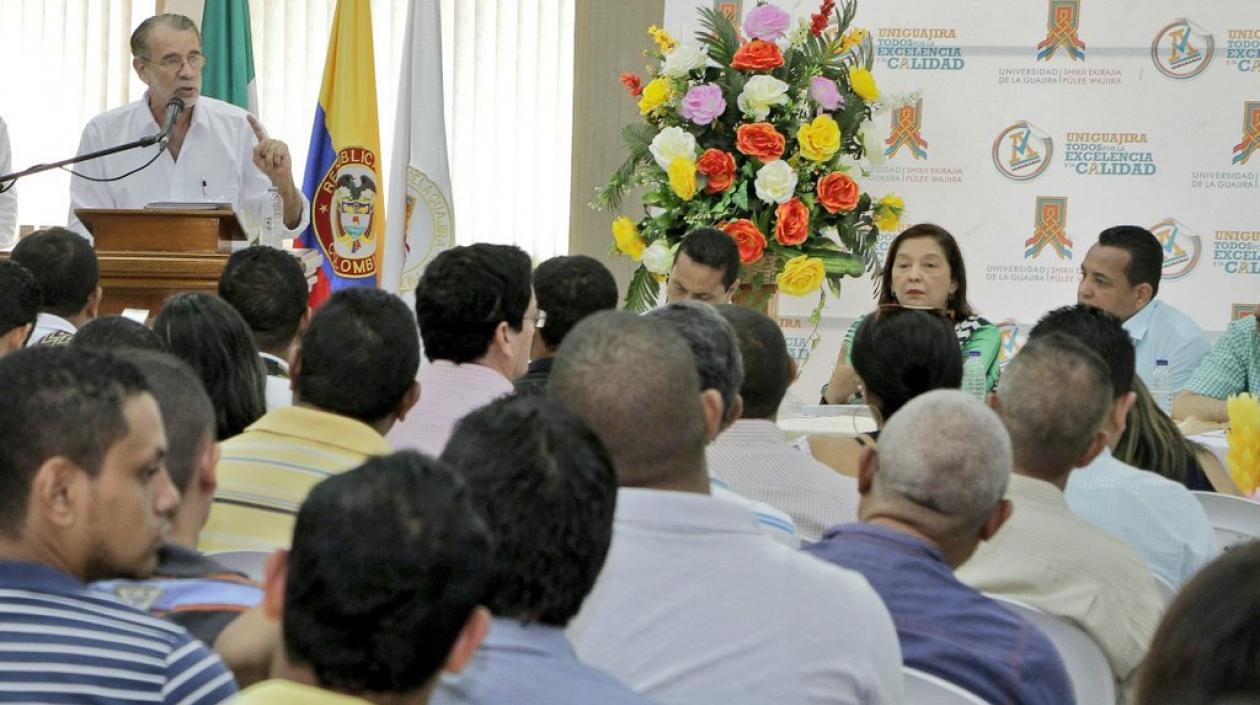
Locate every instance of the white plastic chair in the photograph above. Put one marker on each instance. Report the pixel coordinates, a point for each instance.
(1236, 520)
(253, 564)
(926, 689)
(1092, 679)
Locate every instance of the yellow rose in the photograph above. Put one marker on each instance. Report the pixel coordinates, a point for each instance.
(627, 237)
(863, 83)
(887, 212)
(682, 177)
(801, 275)
(656, 93)
(820, 139)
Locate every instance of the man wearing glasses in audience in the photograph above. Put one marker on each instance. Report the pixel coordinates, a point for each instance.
(215, 151)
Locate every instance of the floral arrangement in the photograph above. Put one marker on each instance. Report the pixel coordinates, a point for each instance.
(1244, 443)
(762, 135)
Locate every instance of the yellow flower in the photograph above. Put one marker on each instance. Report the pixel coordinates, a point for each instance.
(801, 275)
(1244, 442)
(863, 83)
(655, 94)
(662, 39)
(852, 38)
(682, 177)
(627, 236)
(820, 139)
(887, 212)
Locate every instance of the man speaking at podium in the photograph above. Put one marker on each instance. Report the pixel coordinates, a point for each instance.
(215, 151)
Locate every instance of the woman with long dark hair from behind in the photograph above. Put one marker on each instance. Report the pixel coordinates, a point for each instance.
(208, 334)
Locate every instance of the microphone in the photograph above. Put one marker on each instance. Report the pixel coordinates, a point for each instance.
(174, 108)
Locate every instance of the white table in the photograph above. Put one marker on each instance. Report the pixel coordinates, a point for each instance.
(841, 420)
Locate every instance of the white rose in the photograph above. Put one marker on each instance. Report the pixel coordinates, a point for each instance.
(871, 143)
(776, 182)
(759, 94)
(672, 143)
(658, 258)
(682, 60)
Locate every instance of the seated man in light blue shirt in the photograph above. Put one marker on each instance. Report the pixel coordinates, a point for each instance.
(1121, 276)
(1157, 517)
(546, 486)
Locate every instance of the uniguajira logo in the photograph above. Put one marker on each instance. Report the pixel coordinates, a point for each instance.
(907, 121)
(1251, 133)
(733, 9)
(1062, 25)
(1181, 247)
(426, 236)
(1182, 49)
(1022, 152)
(343, 213)
(1050, 228)
(1013, 338)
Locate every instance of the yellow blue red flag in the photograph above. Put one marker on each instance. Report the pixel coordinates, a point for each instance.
(343, 170)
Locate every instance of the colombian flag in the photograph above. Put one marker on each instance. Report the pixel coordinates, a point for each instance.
(343, 171)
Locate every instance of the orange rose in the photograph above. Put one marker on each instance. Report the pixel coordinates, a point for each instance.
(791, 225)
(747, 237)
(760, 140)
(757, 56)
(719, 167)
(837, 192)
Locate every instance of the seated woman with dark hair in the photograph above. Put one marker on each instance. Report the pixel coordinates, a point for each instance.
(207, 333)
(898, 354)
(1152, 441)
(924, 269)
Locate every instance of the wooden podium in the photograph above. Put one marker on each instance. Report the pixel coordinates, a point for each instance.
(148, 254)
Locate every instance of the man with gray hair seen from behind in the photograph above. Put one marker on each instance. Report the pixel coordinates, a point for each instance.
(695, 605)
(1053, 399)
(931, 493)
(752, 456)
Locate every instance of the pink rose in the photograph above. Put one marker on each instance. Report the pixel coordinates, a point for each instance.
(703, 104)
(767, 23)
(825, 92)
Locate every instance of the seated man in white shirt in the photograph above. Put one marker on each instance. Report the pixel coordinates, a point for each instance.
(268, 288)
(476, 310)
(1121, 276)
(19, 306)
(216, 150)
(695, 604)
(1157, 517)
(68, 276)
(1053, 398)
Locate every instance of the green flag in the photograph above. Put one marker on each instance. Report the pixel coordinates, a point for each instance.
(229, 50)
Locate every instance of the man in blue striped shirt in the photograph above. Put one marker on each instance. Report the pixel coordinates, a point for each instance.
(84, 495)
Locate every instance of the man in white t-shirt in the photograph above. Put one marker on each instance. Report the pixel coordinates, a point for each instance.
(216, 150)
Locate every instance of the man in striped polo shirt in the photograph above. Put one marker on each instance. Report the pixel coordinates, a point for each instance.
(84, 495)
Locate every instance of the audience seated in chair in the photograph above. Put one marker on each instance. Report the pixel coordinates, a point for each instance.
(19, 306)
(898, 354)
(753, 458)
(85, 496)
(721, 368)
(545, 485)
(1054, 398)
(353, 376)
(568, 289)
(209, 335)
(68, 276)
(117, 333)
(1232, 367)
(380, 590)
(706, 268)
(1157, 517)
(931, 493)
(476, 311)
(268, 288)
(694, 604)
(188, 587)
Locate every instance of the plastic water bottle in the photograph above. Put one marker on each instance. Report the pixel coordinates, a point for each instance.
(1161, 386)
(273, 219)
(973, 381)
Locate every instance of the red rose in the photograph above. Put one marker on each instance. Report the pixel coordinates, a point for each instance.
(791, 225)
(747, 237)
(757, 56)
(837, 192)
(633, 83)
(760, 140)
(719, 167)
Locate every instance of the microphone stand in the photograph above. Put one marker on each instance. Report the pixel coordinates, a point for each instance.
(7, 181)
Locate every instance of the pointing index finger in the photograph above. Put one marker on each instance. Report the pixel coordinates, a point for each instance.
(259, 131)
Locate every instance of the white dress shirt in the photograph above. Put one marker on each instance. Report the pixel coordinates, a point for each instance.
(1160, 331)
(1157, 517)
(695, 606)
(278, 392)
(215, 163)
(8, 199)
(47, 324)
(753, 458)
(448, 393)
